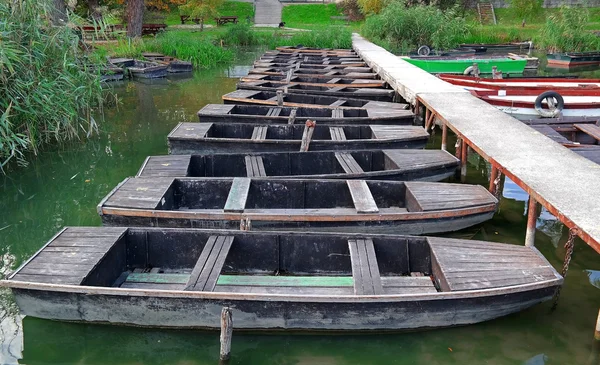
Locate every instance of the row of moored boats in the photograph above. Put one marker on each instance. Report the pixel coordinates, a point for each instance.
(300, 203)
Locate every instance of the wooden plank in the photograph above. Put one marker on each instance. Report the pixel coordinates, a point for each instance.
(348, 163)
(362, 197)
(170, 165)
(337, 133)
(140, 193)
(426, 196)
(274, 112)
(238, 194)
(334, 81)
(292, 117)
(264, 280)
(255, 166)
(259, 132)
(206, 272)
(309, 129)
(365, 270)
(337, 113)
(337, 103)
(166, 278)
(336, 89)
(589, 129)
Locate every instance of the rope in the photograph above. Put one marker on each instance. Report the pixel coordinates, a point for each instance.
(569, 246)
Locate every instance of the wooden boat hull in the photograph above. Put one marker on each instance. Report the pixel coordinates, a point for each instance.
(190, 138)
(574, 59)
(375, 94)
(534, 83)
(507, 66)
(312, 81)
(401, 165)
(275, 205)
(147, 70)
(203, 312)
(144, 277)
(497, 46)
(355, 72)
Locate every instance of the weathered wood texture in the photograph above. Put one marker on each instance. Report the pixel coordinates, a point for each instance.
(205, 274)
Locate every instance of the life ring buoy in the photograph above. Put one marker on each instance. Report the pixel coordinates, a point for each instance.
(424, 51)
(554, 102)
(469, 70)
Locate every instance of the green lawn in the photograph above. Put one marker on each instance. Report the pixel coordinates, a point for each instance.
(232, 8)
(312, 16)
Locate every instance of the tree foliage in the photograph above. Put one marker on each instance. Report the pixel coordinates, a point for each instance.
(202, 9)
(369, 7)
(526, 8)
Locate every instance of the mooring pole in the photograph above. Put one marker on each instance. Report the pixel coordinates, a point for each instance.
(493, 177)
(531, 219)
(597, 331)
(444, 136)
(463, 161)
(226, 332)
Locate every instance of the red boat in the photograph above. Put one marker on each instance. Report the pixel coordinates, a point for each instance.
(538, 84)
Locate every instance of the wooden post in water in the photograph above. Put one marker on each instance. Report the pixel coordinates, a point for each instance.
(309, 128)
(597, 332)
(444, 136)
(493, 177)
(226, 332)
(531, 218)
(463, 160)
(279, 97)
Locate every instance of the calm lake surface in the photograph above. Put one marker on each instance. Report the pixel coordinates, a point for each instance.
(63, 186)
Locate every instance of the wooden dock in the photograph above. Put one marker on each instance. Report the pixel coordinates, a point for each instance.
(562, 181)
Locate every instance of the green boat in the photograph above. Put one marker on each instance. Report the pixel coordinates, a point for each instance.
(440, 65)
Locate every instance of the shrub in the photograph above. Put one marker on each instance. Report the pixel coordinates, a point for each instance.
(351, 9)
(527, 8)
(47, 89)
(368, 7)
(565, 32)
(200, 51)
(410, 27)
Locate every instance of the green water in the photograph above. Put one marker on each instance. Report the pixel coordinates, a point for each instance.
(63, 186)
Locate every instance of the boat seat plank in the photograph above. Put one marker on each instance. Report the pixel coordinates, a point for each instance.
(336, 89)
(457, 266)
(362, 197)
(339, 102)
(259, 132)
(238, 195)
(337, 113)
(394, 131)
(348, 163)
(63, 262)
(365, 270)
(255, 166)
(408, 160)
(280, 280)
(334, 80)
(195, 130)
(407, 285)
(167, 166)
(426, 196)
(337, 133)
(331, 73)
(550, 133)
(289, 290)
(140, 193)
(274, 112)
(590, 129)
(206, 272)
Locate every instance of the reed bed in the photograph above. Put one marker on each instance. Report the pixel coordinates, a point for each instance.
(47, 86)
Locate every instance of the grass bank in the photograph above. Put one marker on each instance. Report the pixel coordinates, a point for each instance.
(48, 88)
(242, 10)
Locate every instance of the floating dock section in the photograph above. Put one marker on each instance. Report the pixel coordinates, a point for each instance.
(566, 184)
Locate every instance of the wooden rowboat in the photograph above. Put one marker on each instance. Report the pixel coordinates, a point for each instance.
(336, 64)
(574, 59)
(346, 73)
(174, 65)
(255, 97)
(406, 165)
(291, 49)
(349, 53)
(147, 70)
(190, 138)
(577, 103)
(306, 59)
(287, 66)
(181, 278)
(377, 94)
(533, 83)
(459, 66)
(314, 81)
(359, 206)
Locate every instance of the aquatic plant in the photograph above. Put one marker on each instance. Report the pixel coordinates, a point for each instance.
(565, 31)
(198, 50)
(407, 28)
(46, 87)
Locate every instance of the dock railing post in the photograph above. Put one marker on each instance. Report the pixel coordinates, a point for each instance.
(226, 333)
(444, 136)
(531, 219)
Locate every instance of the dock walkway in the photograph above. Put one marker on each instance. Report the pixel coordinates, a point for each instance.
(562, 181)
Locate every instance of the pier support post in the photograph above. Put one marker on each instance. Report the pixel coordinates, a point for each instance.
(597, 331)
(444, 136)
(463, 160)
(226, 332)
(427, 116)
(531, 219)
(493, 176)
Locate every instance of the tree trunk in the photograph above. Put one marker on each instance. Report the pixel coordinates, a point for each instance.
(135, 17)
(94, 6)
(59, 12)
